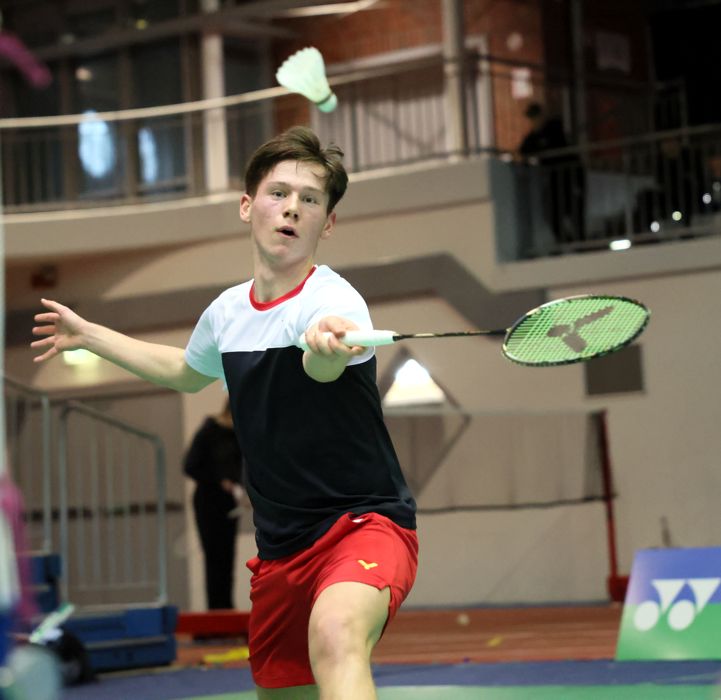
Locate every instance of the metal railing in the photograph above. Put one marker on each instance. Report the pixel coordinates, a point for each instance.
(29, 443)
(109, 552)
(97, 486)
(659, 187)
(386, 116)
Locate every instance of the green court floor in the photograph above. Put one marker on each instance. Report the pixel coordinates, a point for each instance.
(646, 691)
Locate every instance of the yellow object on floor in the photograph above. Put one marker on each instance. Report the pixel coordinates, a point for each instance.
(237, 654)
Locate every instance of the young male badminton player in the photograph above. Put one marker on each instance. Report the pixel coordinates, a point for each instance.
(335, 522)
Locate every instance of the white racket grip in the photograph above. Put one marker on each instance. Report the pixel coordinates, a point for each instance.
(369, 338)
(366, 339)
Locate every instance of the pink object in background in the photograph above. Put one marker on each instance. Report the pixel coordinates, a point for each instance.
(11, 506)
(36, 73)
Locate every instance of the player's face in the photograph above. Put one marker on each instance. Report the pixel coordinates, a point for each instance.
(288, 213)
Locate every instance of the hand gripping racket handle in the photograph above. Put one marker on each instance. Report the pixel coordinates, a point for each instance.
(369, 338)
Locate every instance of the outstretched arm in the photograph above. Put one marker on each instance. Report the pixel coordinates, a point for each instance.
(328, 355)
(64, 330)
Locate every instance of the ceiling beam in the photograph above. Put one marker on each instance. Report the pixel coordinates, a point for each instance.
(212, 23)
(252, 20)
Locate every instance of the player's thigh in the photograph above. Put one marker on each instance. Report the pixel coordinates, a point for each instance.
(299, 692)
(348, 613)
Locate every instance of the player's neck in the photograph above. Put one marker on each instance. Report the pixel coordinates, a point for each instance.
(270, 284)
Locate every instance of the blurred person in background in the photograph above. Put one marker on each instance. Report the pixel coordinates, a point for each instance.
(214, 461)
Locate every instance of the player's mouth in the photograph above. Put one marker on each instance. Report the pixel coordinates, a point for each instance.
(288, 231)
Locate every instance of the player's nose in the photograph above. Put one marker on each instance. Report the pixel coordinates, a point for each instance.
(291, 206)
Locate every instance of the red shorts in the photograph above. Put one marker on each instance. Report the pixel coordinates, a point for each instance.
(366, 548)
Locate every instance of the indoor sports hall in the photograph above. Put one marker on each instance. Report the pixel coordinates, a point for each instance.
(533, 217)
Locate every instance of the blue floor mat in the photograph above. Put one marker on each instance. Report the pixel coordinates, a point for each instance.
(552, 673)
(170, 684)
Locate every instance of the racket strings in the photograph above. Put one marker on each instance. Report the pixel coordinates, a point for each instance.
(575, 329)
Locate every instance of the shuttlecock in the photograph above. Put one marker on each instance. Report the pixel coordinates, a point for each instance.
(304, 73)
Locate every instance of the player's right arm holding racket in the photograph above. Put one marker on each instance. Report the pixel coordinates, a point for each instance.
(327, 355)
(63, 330)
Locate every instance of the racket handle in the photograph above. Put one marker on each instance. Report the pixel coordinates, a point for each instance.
(369, 338)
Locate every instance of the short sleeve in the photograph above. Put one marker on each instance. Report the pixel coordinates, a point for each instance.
(341, 301)
(344, 301)
(202, 352)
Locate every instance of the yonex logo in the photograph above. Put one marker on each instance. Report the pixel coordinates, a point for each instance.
(367, 566)
(680, 613)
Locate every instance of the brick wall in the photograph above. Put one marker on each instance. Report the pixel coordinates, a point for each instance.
(530, 38)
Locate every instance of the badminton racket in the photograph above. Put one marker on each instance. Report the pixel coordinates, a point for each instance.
(560, 332)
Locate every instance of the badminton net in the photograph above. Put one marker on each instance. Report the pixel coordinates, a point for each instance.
(457, 461)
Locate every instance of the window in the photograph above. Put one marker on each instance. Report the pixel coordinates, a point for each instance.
(160, 141)
(102, 162)
(248, 126)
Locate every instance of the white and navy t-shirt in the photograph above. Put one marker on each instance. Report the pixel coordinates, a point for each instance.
(313, 450)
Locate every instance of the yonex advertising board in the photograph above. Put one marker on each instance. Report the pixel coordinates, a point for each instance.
(673, 606)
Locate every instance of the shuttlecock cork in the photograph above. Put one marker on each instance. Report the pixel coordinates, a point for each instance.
(304, 73)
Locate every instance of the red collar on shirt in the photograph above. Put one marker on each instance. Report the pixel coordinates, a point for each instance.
(265, 305)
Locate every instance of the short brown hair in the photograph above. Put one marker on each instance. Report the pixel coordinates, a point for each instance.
(301, 144)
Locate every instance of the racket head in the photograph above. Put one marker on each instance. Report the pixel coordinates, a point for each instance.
(575, 329)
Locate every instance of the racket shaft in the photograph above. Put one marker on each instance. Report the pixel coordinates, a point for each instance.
(374, 338)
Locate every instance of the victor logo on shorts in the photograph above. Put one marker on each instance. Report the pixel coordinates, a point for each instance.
(366, 565)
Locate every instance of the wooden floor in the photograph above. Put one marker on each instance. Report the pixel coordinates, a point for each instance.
(478, 635)
(513, 634)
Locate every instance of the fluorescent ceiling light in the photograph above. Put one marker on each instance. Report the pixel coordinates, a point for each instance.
(620, 244)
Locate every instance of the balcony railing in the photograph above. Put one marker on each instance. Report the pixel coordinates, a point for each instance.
(615, 194)
(386, 117)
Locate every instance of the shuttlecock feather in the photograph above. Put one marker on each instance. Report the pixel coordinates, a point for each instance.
(304, 73)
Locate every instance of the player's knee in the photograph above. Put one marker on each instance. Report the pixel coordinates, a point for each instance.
(335, 635)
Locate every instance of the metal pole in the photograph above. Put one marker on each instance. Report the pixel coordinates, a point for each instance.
(47, 474)
(162, 525)
(215, 139)
(579, 75)
(615, 581)
(63, 503)
(454, 73)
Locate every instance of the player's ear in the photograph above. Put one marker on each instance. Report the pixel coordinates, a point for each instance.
(246, 202)
(328, 228)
